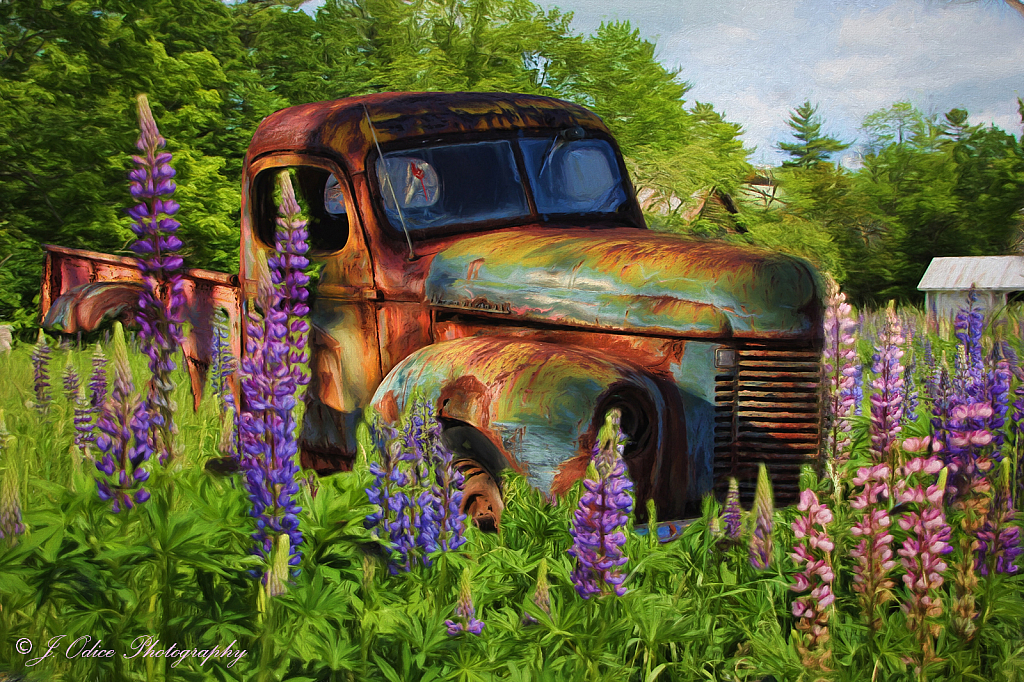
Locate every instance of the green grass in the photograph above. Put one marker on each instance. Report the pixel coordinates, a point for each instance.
(176, 569)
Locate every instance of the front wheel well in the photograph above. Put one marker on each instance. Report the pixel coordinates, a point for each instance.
(481, 464)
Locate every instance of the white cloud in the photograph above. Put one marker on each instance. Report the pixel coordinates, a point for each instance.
(757, 61)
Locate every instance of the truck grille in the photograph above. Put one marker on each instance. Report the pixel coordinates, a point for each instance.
(767, 410)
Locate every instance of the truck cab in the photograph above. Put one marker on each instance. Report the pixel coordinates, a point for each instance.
(486, 253)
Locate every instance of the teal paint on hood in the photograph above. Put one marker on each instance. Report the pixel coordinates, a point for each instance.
(626, 279)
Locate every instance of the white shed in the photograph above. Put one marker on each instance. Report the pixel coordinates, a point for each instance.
(997, 280)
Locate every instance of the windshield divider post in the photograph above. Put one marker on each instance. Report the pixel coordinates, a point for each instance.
(387, 174)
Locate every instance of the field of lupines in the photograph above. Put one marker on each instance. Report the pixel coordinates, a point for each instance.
(123, 558)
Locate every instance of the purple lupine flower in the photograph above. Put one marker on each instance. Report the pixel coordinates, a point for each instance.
(270, 382)
(287, 272)
(445, 489)
(886, 399)
(599, 521)
(222, 361)
(390, 522)
(541, 593)
(858, 389)
(999, 541)
(761, 538)
(41, 373)
(814, 553)
(838, 366)
(83, 422)
(465, 615)
(997, 394)
(910, 393)
(98, 380)
(124, 438)
(732, 513)
(873, 555)
(968, 328)
(927, 540)
(163, 295)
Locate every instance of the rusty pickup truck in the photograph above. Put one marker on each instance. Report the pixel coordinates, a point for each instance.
(486, 252)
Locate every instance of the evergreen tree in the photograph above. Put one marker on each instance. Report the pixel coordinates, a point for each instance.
(813, 147)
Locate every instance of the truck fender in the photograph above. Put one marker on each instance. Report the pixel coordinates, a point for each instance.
(539, 404)
(84, 308)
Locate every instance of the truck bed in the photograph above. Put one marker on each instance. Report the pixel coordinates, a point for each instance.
(80, 289)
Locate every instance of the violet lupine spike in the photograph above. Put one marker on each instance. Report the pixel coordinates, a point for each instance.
(98, 380)
(997, 394)
(465, 619)
(84, 436)
(761, 538)
(390, 521)
(270, 382)
(968, 329)
(999, 541)
(814, 553)
(732, 513)
(858, 389)
(910, 393)
(873, 554)
(927, 541)
(445, 489)
(287, 271)
(221, 360)
(123, 439)
(41, 373)
(886, 399)
(598, 523)
(163, 295)
(840, 358)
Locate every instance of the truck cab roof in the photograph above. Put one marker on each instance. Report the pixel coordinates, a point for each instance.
(340, 126)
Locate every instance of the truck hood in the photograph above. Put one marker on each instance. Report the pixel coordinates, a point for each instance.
(628, 280)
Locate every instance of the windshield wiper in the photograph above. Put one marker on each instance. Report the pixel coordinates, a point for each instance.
(563, 136)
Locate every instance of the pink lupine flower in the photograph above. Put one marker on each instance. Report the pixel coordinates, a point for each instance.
(814, 554)
(927, 540)
(839, 369)
(887, 400)
(873, 554)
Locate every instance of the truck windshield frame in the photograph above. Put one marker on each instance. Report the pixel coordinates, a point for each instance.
(446, 186)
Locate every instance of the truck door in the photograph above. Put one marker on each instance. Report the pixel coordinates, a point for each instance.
(345, 357)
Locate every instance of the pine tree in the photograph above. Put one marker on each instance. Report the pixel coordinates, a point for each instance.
(813, 147)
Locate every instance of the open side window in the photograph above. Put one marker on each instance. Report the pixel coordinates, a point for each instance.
(321, 197)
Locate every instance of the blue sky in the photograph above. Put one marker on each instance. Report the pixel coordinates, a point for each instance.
(757, 60)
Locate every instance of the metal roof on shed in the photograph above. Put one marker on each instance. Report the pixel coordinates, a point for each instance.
(981, 272)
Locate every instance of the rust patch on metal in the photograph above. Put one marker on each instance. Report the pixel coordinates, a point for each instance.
(570, 471)
(468, 400)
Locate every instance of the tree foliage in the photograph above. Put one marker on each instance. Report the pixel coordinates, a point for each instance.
(927, 188)
(70, 69)
(812, 147)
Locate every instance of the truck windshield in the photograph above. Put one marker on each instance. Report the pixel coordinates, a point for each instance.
(481, 182)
